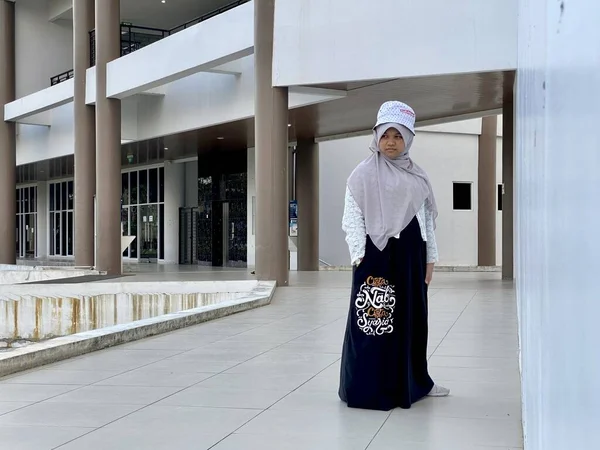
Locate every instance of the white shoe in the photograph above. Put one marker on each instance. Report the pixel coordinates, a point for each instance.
(439, 391)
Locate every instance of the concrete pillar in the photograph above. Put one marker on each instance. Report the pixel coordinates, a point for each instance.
(108, 141)
(85, 136)
(508, 147)
(174, 199)
(307, 194)
(487, 190)
(251, 210)
(271, 131)
(8, 142)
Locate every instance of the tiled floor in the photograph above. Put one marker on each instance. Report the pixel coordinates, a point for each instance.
(267, 379)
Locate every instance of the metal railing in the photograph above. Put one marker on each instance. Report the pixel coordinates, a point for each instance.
(207, 16)
(135, 37)
(61, 77)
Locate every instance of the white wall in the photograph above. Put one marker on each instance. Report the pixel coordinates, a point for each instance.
(198, 101)
(448, 155)
(43, 48)
(174, 199)
(448, 159)
(557, 222)
(129, 119)
(325, 41)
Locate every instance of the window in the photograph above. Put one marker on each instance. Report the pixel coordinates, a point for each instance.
(500, 189)
(61, 218)
(461, 196)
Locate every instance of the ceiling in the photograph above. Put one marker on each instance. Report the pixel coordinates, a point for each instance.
(436, 99)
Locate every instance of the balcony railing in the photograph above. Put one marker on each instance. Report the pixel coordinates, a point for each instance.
(61, 77)
(207, 16)
(134, 37)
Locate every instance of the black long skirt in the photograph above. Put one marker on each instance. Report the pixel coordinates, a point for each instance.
(384, 357)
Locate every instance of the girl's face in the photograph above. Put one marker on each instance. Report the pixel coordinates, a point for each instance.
(392, 143)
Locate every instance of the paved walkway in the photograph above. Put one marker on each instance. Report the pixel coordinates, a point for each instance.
(267, 379)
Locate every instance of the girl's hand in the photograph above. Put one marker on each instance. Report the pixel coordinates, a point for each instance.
(429, 273)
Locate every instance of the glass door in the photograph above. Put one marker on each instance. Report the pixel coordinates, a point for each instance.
(26, 222)
(237, 234)
(29, 240)
(149, 232)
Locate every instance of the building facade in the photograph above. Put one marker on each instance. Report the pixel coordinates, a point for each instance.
(119, 118)
(185, 147)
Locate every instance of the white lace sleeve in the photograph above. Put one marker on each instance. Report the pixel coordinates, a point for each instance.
(353, 224)
(432, 250)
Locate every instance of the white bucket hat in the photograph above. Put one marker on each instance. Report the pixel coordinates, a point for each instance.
(396, 112)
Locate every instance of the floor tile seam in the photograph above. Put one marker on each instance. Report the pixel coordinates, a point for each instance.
(135, 411)
(42, 401)
(266, 351)
(273, 404)
(101, 427)
(238, 428)
(303, 384)
(160, 360)
(379, 430)
(79, 387)
(454, 323)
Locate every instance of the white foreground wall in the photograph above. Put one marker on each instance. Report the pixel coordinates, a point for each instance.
(326, 41)
(448, 153)
(557, 197)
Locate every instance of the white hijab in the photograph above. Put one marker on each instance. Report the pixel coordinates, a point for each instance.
(390, 192)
